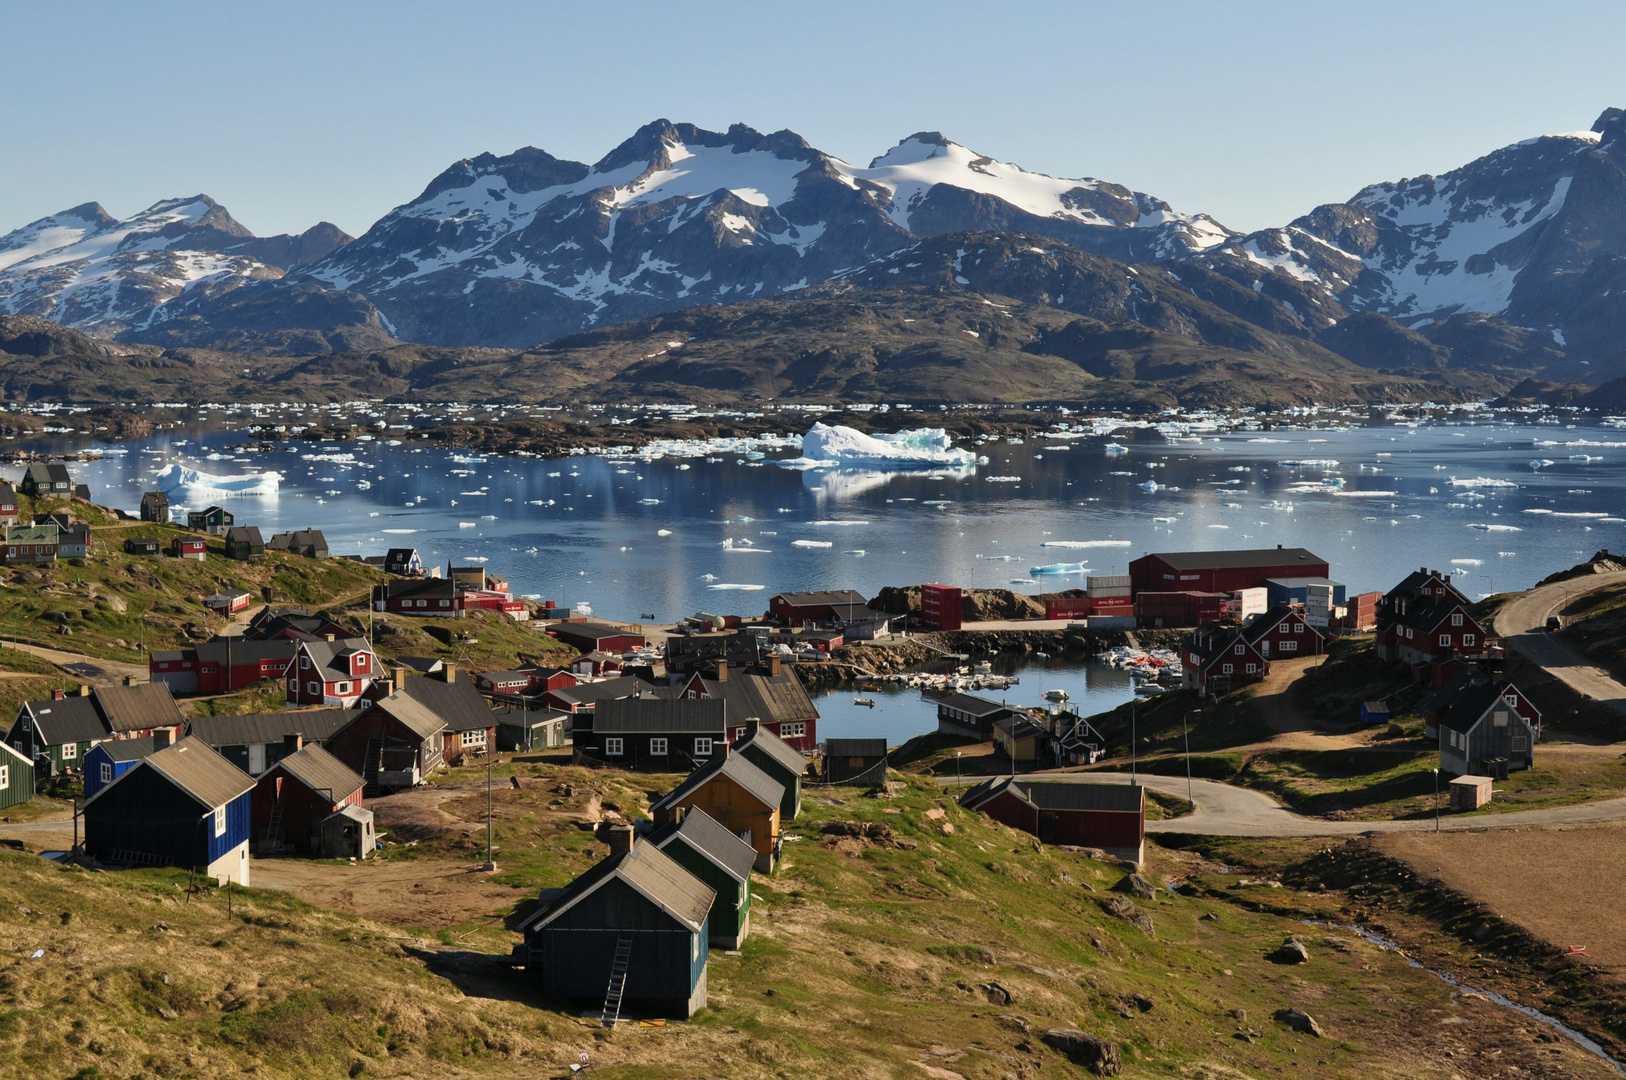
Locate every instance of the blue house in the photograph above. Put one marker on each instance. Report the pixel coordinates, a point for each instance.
(107, 761)
(183, 805)
(629, 933)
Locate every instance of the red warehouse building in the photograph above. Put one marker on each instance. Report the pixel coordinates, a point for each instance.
(1111, 817)
(833, 606)
(597, 637)
(221, 665)
(940, 607)
(1222, 571)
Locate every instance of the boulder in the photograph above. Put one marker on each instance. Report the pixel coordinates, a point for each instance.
(1292, 951)
(1096, 1054)
(995, 993)
(1137, 886)
(1300, 1021)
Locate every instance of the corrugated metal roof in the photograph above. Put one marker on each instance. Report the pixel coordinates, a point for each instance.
(702, 832)
(66, 720)
(704, 716)
(758, 784)
(316, 725)
(855, 748)
(459, 703)
(1124, 798)
(650, 872)
(776, 748)
(773, 699)
(136, 708)
(1250, 557)
(130, 749)
(593, 692)
(321, 771)
(413, 713)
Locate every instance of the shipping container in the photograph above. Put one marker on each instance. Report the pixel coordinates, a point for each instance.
(940, 607)
(1068, 607)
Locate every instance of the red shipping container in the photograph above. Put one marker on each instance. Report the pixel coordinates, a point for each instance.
(1070, 607)
(940, 607)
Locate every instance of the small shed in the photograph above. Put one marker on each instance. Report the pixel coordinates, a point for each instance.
(298, 794)
(189, 547)
(741, 797)
(227, 601)
(16, 778)
(855, 761)
(630, 933)
(531, 729)
(1374, 712)
(720, 859)
(154, 506)
(142, 545)
(1018, 738)
(1470, 792)
(348, 834)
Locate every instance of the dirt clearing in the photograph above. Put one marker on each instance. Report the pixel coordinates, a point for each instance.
(426, 894)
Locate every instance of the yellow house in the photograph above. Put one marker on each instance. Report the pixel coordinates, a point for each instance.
(739, 796)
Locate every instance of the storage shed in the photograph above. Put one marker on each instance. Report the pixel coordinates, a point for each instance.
(630, 933)
(348, 834)
(860, 762)
(183, 806)
(1374, 712)
(1470, 792)
(302, 790)
(723, 861)
(1111, 817)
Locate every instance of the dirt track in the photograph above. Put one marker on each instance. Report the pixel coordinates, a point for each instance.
(426, 894)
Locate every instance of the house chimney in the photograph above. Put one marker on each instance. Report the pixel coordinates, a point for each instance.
(294, 742)
(400, 676)
(58, 695)
(449, 673)
(722, 671)
(719, 748)
(131, 680)
(328, 636)
(620, 838)
(163, 737)
(678, 814)
(773, 663)
(752, 725)
(84, 689)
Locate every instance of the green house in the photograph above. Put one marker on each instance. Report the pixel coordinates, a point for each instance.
(723, 861)
(57, 734)
(16, 778)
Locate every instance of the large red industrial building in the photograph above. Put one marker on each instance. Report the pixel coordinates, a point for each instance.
(1222, 571)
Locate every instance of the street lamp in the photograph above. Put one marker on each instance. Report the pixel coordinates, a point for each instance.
(957, 780)
(1436, 800)
(1185, 732)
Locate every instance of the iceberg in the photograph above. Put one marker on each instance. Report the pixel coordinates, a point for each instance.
(1058, 568)
(189, 487)
(827, 445)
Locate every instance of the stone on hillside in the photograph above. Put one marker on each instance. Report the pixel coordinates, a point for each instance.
(1300, 1021)
(114, 602)
(995, 993)
(1096, 1054)
(1292, 951)
(1137, 886)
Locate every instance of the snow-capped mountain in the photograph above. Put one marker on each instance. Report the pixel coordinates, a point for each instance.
(84, 268)
(1529, 232)
(519, 249)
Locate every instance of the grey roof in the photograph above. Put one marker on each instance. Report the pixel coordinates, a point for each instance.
(420, 588)
(658, 715)
(855, 748)
(773, 699)
(415, 715)
(459, 703)
(605, 690)
(776, 748)
(243, 650)
(976, 706)
(48, 473)
(830, 597)
(320, 771)
(130, 749)
(67, 720)
(700, 831)
(1469, 706)
(1263, 623)
(1296, 582)
(593, 629)
(514, 716)
(244, 534)
(194, 768)
(316, 725)
(1018, 726)
(1124, 798)
(758, 784)
(1250, 557)
(137, 708)
(323, 653)
(421, 664)
(648, 871)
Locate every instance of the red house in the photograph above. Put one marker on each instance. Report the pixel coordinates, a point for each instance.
(221, 665)
(1217, 658)
(294, 623)
(548, 678)
(1283, 633)
(504, 682)
(294, 796)
(332, 671)
(768, 693)
(227, 601)
(1111, 817)
(430, 597)
(1429, 634)
(585, 636)
(1221, 571)
(833, 606)
(1421, 589)
(189, 547)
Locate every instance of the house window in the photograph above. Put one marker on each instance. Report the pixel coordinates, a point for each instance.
(313, 688)
(612, 747)
(70, 751)
(793, 731)
(1511, 699)
(220, 821)
(341, 688)
(1252, 668)
(107, 773)
(1290, 646)
(5, 777)
(1519, 746)
(476, 737)
(739, 733)
(657, 747)
(1467, 639)
(1240, 649)
(702, 748)
(1499, 718)
(1456, 620)
(445, 603)
(1445, 639)
(305, 662)
(361, 662)
(1298, 628)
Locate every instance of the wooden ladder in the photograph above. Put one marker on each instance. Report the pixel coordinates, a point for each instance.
(273, 831)
(618, 979)
(372, 765)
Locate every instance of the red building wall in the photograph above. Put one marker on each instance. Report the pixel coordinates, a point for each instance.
(302, 808)
(1290, 637)
(940, 607)
(1152, 574)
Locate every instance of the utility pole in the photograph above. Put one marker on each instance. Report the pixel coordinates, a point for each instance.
(1436, 800)
(1132, 776)
(1185, 731)
(490, 862)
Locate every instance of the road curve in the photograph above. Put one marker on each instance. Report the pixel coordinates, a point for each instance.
(1521, 623)
(1225, 810)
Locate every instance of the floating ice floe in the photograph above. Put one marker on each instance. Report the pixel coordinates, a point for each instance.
(1116, 448)
(189, 487)
(1541, 463)
(1310, 463)
(398, 532)
(663, 532)
(1003, 479)
(827, 445)
(1151, 487)
(1495, 528)
(744, 545)
(856, 551)
(1084, 543)
(811, 543)
(1059, 568)
(722, 586)
(838, 522)
(1482, 482)
(1467, 562)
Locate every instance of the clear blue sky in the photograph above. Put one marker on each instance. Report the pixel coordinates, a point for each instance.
(293, 112)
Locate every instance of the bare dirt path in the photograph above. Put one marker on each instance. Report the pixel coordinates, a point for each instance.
(1521, 623)
(423, 894)
(93, 669)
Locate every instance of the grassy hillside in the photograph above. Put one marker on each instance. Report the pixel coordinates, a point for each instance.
(944, 950)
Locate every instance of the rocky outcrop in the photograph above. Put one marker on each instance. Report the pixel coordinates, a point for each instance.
(1094, 1053)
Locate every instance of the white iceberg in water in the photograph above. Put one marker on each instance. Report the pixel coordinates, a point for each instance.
(189, 487)
(828, 445)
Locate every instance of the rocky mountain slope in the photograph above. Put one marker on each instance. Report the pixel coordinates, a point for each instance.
(87, 269)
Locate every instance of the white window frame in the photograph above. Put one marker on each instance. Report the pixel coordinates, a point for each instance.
(1456, 619)
(1298, 628)
(1240, 648)
(1445, 639)
(220, 821)
(1227, 669)
(658, 747)
(613, 747)
(107, 773)
(1511, 699)
(795, 730)
(304, 663)
(5, 776)
(702, 748)
(70, 751)
(341, 688)
(474, 737)
(1467, 639)
(1251, 669)
(1290, 646)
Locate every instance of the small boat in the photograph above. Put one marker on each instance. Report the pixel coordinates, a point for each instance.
(984, 668)
(868, 703)
(1055, 695)
(870, 686)
(1041, 656)
(1148, 689)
